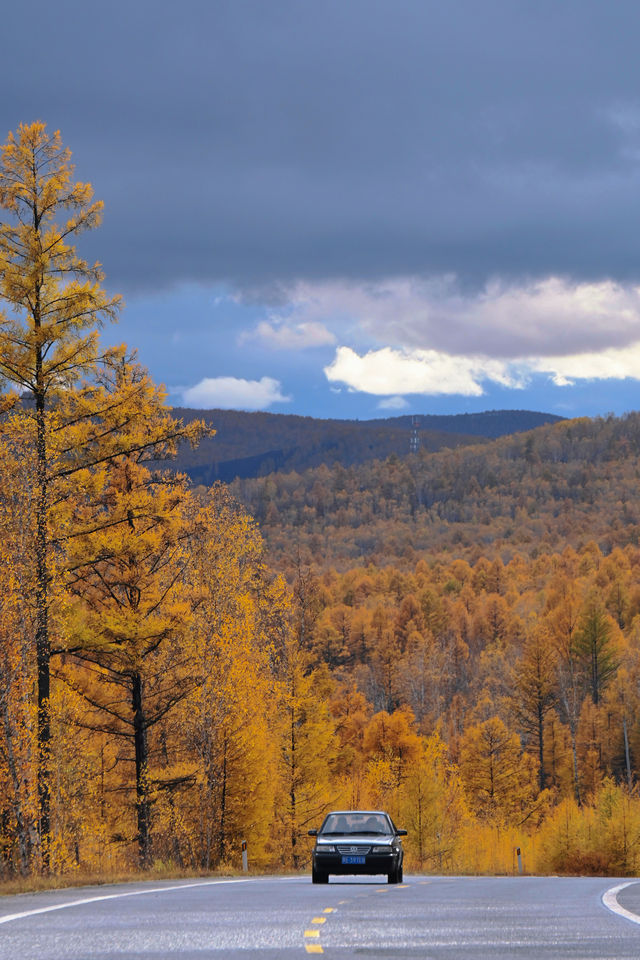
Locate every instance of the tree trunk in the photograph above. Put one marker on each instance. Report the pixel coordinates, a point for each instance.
(223, 801)
(540, 718)
(595, 680)
(142, 765)
(420, 835)
(43, 643)
(626, 751)
(574, 752)
(292, 790)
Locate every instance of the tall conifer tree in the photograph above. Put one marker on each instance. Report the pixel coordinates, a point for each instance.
(48, 338)
(85, 407)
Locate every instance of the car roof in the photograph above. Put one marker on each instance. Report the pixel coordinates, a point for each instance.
(368, 812)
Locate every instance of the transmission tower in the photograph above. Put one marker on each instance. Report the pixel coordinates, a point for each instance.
(414, 442)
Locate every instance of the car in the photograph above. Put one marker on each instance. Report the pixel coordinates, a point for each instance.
(357, 842)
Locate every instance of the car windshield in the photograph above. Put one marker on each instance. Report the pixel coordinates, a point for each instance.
(346, 824)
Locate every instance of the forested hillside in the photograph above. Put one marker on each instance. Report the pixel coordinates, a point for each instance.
(526, 674)
(166, 693)
(560, 484)
(256, 444)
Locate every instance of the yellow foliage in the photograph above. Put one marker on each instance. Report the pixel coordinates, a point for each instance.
(432, 808)
(499, 779)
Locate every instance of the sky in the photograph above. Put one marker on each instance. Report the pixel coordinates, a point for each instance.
(355, 208)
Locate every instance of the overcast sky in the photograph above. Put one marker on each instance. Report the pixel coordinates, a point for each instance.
(347, 207)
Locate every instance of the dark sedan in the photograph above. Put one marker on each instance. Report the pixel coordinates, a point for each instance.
(357, 842)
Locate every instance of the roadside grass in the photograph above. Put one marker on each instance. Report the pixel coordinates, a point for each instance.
(79, 878)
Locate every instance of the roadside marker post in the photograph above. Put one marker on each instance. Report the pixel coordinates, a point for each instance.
(519, 856)
(245, 858)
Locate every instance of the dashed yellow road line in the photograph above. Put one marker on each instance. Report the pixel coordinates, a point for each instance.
(403, 886)
(314, 934)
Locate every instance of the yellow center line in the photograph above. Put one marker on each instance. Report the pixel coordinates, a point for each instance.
(313, 934)
(403, 886)
(382, 890)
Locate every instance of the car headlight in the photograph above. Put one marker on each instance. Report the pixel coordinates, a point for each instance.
(384, 849)
(326, 848)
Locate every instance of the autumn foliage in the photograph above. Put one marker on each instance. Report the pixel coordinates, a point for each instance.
(166, 693)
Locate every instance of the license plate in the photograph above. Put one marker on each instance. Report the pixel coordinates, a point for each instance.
(353, 860)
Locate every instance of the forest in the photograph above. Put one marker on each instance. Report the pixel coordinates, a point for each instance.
(564, 483)
(257, 444)
(172, 684)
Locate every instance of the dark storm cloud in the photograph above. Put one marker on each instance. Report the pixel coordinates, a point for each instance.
(261, 141)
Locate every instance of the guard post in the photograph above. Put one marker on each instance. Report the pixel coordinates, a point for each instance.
(245, 858)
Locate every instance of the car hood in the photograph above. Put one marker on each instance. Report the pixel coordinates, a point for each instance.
(361, 839)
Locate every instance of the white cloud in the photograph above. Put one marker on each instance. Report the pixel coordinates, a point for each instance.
(549, 317)
(393, 403)
(233, 393)
(280, 334)
(396, 373)
(613, 364)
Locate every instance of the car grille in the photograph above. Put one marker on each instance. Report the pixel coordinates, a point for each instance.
(342, 848)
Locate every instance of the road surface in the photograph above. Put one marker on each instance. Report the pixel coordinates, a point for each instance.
(282, 918)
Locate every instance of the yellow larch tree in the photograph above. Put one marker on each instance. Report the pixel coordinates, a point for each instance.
(392, 747)
(127, 557)
(308, 748)
(432, 808)
(562, 622)
(351, 712)
(499, 779)
(75, 422)
(227, 724)
(48, 337)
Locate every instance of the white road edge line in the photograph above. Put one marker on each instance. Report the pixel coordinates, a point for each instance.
(116, 896)
(610, 900)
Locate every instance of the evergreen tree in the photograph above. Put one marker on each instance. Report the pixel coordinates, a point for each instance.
(534, 691)
(596, 648)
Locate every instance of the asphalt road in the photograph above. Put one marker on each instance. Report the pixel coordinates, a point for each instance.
(444, 918)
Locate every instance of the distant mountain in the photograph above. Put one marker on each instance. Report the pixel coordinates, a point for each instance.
(257, 444)
(490, 424)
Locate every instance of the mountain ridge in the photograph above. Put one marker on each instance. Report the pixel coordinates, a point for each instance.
(256, 444)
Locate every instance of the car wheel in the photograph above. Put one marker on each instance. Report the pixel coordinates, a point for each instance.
(317, 877)
(400, 874)
(392, 876)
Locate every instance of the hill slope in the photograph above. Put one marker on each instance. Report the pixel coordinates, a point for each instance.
(563, 483)
(256, 444)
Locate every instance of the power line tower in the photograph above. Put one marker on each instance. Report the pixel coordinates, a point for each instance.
(414, 442)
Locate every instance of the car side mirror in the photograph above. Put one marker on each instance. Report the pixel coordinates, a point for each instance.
(401, 833)
(312, 833)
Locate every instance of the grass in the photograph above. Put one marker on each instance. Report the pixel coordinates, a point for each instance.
(160, 871)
